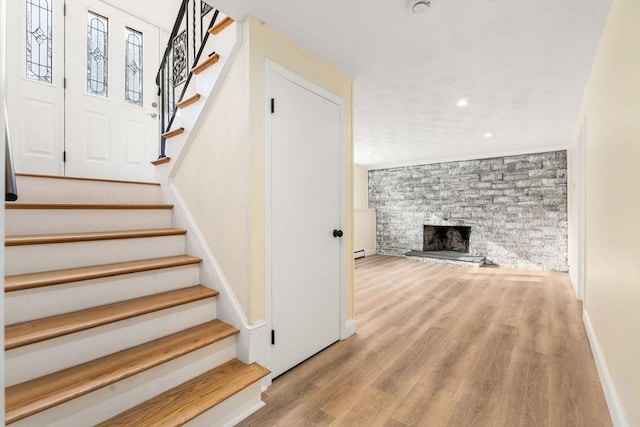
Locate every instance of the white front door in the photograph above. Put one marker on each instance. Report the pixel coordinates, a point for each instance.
(105, 122)
(35, 89)
(111, 119)
(305, 209)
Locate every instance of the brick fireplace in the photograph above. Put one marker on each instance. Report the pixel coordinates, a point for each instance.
(511, 210)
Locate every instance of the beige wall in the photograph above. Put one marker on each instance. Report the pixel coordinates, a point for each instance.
(222, 177)
(360, 187)
(612, 295)
(267, 44)
(364, 230)
(575, 202)
(364, 219)
(213, 179)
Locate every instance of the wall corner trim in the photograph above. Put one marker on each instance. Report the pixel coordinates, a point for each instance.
(616, 411)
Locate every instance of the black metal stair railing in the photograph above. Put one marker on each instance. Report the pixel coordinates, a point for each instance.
(184, 49)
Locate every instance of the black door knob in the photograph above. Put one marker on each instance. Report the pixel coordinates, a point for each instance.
(337, 233)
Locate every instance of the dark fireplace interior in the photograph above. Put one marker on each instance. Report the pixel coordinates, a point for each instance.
(446, 238)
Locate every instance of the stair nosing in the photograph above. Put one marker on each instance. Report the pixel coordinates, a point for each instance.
(84, 206)
(206, 64)
(43, 239)
(216, 29)
(33, 331)
(181, 394)
(174, 132)
(190, 100)
(24, 281)
(103, 374)
(161, 161)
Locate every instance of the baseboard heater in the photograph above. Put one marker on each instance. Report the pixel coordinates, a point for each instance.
(358, 254)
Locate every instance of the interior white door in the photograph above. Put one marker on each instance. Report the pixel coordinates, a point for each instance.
(111, 116)
(305, 210)
(35, 98)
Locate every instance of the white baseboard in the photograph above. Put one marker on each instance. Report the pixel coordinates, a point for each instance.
(360, 253)
(350, 328)
(616, 411)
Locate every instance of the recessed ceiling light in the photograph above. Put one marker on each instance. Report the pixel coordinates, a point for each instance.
(488, 134)
(463, 102)
(419, 6)
(368, 152)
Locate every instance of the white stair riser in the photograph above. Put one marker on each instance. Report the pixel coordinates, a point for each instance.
(62, 190)
(30, 304)
(44, 221)
(35, 360)
(223, 44)
(108, 401)
(231, 411)
(174, 145)
(58, 256)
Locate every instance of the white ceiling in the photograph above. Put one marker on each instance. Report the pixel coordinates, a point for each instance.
(522, 64)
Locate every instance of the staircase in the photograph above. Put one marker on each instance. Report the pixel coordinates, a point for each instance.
(182, 103)
(107, 322)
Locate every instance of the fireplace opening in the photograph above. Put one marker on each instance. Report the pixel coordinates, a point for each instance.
(446, 238)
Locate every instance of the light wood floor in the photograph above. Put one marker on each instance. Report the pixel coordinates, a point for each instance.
(441, 345)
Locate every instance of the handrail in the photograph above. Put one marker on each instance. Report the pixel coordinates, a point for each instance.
(174, 74)
(10, 186)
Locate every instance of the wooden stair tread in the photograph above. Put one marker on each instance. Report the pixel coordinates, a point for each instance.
(46, 278)
(205, 64)
(192, 398)
(190, 100)
(161, 161)
(31, 397)
(92, 236)
(220, 26)
(35, 205)
(25, 333)
(172, 133)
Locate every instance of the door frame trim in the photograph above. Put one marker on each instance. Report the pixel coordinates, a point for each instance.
(271, 69)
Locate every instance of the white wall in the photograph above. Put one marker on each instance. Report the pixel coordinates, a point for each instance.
(161, 13)
(3, 84)
(611, 106)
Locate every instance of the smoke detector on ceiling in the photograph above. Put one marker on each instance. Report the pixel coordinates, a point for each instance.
(419, 6)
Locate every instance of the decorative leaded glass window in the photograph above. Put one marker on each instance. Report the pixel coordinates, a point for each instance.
(133, 67)
(97, 54)
(39, 41)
